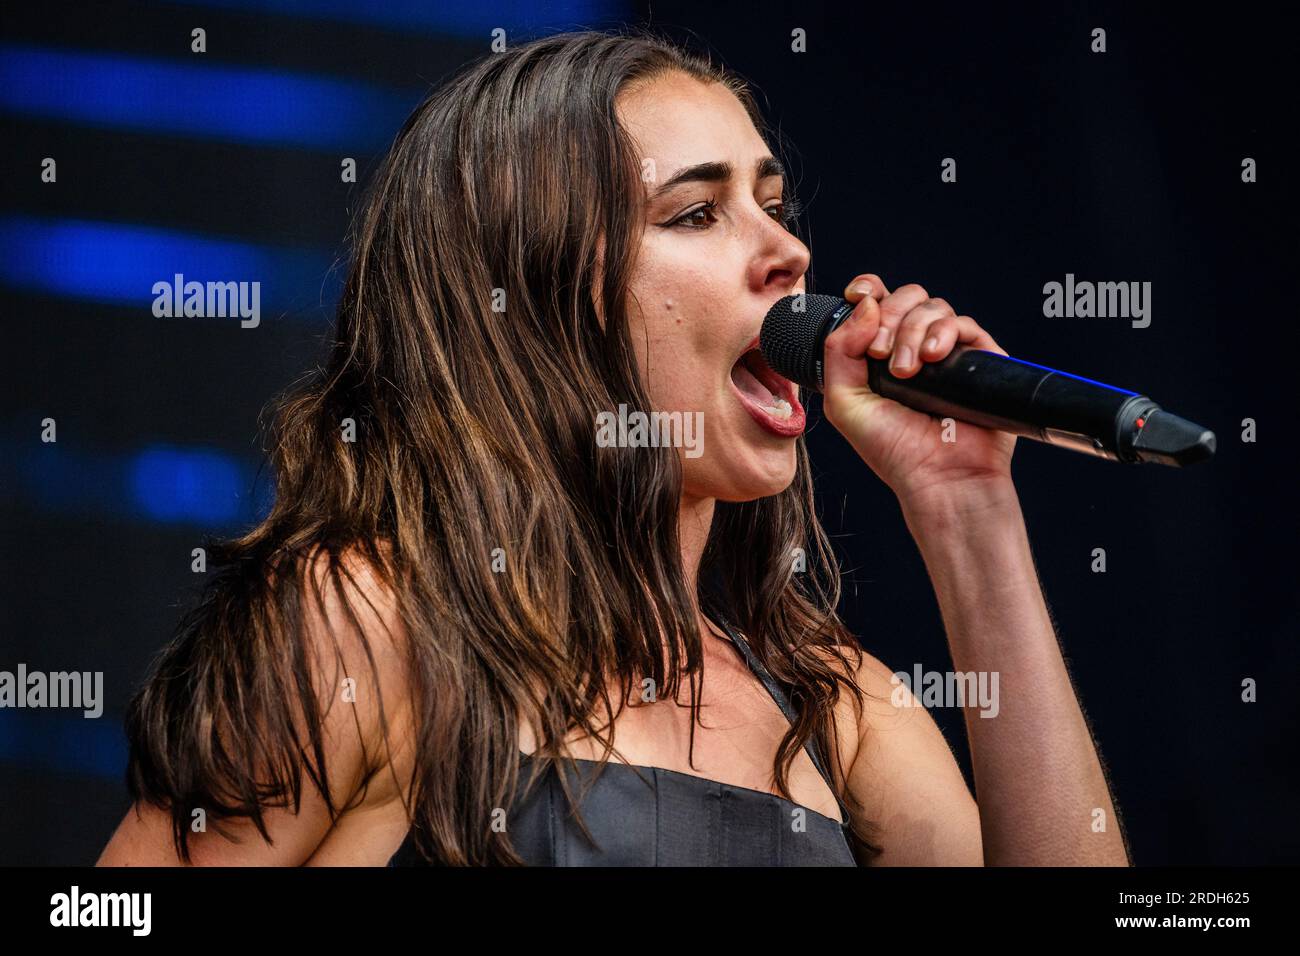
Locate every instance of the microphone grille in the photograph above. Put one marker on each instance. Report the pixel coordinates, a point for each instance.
(790, 338)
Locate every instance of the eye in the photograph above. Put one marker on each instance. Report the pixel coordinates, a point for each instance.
(787, 211)
(686, 218)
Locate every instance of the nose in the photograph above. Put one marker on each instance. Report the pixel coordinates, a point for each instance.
(780, 262)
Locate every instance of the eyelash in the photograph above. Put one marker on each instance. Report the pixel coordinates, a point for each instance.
(790, 210)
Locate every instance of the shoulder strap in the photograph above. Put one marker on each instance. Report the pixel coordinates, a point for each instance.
(782, 701)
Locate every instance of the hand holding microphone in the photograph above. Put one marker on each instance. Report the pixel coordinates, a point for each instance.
(886, 362)
(901, 445)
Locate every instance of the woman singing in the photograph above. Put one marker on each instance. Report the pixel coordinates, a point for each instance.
(466, 615)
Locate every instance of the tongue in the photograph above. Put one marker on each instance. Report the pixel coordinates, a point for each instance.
(751, 386)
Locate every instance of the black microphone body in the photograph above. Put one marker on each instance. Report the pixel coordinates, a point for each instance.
(994, 391)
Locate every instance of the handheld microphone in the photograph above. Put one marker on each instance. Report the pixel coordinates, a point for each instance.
(987, 389)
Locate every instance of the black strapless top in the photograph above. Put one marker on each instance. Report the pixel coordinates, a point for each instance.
(649, 816)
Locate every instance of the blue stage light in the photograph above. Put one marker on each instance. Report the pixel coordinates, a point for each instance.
(206, 101)
(119, 263)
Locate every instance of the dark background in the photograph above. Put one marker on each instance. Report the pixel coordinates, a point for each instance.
(1122, 166)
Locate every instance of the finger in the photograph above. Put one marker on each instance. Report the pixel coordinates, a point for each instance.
(906, 359)
(970, 333)
(867, 283)
(892, 309)
(943, 334)
(866, 290)
(848, 344)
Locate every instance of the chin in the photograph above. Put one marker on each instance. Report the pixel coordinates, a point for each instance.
(765, 475)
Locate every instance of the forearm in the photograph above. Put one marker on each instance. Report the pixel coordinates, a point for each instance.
(1039, 783)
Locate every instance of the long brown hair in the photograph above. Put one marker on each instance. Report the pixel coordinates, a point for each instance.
(470, 358)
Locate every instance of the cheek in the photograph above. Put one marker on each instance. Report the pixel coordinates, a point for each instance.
(680, 332)
(676, 379)
(678, 353)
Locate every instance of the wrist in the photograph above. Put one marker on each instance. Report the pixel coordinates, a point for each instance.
(960, 505)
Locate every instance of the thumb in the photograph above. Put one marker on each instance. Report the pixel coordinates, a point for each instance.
(844, 373)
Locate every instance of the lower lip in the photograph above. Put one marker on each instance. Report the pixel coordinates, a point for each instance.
(790, 427)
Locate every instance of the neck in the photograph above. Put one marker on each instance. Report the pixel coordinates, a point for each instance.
(694, 519)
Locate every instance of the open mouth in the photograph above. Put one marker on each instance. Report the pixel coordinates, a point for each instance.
(770, 399)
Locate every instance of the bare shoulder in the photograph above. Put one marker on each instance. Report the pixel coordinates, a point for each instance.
(355, 633)
(340, 677)
(888, 704)
(878, 694)
(350, 601)
(901, 775)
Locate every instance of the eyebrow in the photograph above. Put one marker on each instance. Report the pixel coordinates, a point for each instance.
(716, 173)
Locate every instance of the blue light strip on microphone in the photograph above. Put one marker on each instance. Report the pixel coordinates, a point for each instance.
(1080, 378)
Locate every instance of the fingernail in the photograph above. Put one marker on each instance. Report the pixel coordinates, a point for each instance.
(903, 357)
(931, 344)
(863, 288)
(878, 343)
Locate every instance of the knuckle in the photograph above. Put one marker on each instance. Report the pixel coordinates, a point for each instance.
(913, 289)
(918, 318)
